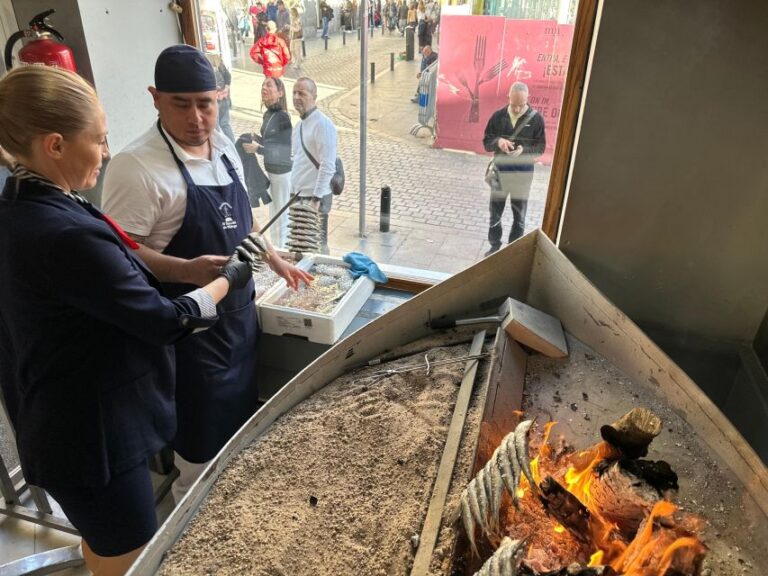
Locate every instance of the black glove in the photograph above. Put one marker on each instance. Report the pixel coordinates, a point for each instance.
(237, 273)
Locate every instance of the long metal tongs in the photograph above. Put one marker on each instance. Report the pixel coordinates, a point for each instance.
(427, 365)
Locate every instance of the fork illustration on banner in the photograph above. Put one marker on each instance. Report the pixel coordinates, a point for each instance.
(481, 77)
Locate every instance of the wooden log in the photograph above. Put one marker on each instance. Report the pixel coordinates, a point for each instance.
(623, 498)
(565, 507)
(633, 432)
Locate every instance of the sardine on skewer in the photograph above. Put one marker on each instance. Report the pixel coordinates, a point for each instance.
(482, 499)
(503, 562)
(508, 466)
(466, 517)
(474, 505)
(521, 447)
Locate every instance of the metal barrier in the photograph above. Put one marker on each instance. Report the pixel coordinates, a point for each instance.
(427, 95)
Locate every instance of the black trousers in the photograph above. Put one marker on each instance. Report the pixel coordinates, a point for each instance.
(516, 187)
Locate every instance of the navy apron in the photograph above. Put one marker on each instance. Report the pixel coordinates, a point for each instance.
(215, 369)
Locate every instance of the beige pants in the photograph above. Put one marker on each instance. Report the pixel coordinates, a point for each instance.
(296, 51)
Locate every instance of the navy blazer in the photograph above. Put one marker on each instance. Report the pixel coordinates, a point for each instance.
(86, 369)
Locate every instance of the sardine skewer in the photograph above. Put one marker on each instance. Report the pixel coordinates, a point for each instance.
(482, 499)
(466, 517)
(510, 453)
(521, 447)
(503, 560)
(474, 505)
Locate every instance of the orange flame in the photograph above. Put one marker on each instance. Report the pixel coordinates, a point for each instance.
(652, 552)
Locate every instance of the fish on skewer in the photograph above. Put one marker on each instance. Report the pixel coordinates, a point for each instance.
(503, 562)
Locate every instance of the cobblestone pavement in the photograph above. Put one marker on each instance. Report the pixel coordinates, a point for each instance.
(439, 208)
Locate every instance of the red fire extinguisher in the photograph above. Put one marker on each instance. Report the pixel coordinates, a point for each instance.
(44, 45)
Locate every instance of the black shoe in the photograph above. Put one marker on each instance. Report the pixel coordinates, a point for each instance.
(492, 250)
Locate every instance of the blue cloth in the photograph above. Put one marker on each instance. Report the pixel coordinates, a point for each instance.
(361, 265)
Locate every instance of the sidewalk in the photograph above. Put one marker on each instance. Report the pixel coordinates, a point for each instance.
(439, 213)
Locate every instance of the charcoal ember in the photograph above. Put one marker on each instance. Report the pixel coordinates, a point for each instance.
(658, 474)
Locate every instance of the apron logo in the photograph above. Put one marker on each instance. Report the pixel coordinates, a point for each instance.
(228, 223)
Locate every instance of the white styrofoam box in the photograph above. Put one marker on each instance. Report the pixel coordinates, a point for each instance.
(316, 327)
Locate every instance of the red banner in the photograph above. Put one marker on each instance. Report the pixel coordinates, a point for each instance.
(481, 57)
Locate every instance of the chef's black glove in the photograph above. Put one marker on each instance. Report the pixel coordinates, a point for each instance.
(237, 273)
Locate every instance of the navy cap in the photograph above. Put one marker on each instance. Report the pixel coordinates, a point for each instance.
(182, 68)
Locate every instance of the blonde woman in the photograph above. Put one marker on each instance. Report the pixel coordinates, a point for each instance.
(87, 370)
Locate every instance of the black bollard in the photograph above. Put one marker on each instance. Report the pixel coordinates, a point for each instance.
(303, 49)
(386, 205)
(373, 72)
(326, 43)
(371, 29)
(358, 34)
(392, 61)
(344, 36)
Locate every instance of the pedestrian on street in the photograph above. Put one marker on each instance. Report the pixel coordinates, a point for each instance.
(424, 32)
(258, 15)
(515, 135)
(274, 143)
(271, 52)
(326, 13)
(297, 34)
(402, 15)
(283, 22)
(413, 19)
(272, 11)
(391, 16)
(178, 190)
(428, 56)
(314, 154)
(85, 333)
(223, 98)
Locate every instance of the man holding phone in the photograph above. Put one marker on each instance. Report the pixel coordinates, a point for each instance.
(515, 135)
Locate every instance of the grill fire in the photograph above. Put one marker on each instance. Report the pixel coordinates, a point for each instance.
(601, 511)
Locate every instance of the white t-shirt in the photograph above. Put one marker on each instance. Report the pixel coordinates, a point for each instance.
(145, 192)
(320, 139)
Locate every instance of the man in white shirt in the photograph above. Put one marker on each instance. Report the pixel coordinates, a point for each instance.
(178, 190)
(314, 154)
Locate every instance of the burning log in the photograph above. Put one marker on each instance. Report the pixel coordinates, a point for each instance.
(565, 507)
(663, 543)
(633, 432)
(622, 498)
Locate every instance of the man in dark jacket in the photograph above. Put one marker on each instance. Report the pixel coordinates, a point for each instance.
(515, 135)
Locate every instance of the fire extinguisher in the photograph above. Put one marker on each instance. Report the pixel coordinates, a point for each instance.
(44, 45)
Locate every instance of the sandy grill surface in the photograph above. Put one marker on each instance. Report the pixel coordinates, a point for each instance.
(339, 485)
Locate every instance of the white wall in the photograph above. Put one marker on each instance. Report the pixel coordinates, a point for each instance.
(7, 27)
(124, 39)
